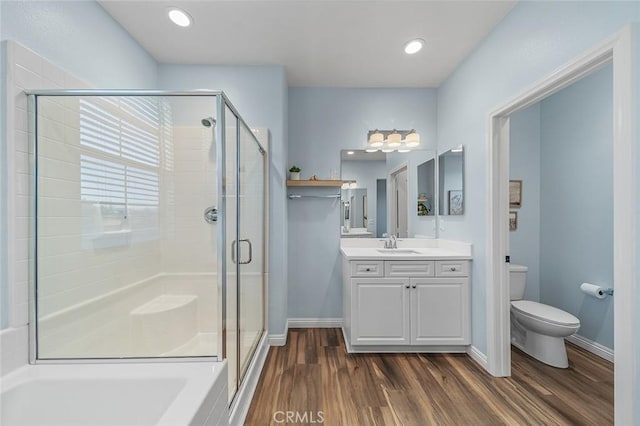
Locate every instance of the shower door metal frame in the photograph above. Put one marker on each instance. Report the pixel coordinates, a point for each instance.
(221, 101)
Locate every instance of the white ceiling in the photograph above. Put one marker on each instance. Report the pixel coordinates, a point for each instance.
(320, 42)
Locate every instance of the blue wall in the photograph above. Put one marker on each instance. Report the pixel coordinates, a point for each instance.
(260, 95)
(576, 205)
(533, 40)
(322, 121)
(524, 163)
(83, 39)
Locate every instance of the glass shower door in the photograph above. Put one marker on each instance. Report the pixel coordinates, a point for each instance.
(251, 243)
(245, 236)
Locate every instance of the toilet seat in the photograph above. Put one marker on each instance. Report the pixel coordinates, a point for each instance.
(545, 313)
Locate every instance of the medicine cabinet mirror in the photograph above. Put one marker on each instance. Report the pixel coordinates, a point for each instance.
(451, 182)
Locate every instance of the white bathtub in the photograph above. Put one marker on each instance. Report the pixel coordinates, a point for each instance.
(190, 393)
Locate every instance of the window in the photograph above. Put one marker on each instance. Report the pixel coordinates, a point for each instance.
(119, 167)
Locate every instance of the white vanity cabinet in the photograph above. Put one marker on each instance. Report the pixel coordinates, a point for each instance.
(406, 305)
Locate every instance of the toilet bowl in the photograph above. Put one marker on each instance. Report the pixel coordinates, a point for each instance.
(544, 326)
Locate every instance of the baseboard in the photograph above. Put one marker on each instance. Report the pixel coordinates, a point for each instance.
(314, 323)
(478, 356)
(591, 346)
(245, 393)
(277, 339)
(281, 339)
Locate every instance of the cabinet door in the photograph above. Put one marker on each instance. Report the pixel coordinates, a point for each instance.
(380, 311)
(440, 311)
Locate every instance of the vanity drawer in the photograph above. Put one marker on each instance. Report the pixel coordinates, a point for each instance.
(452, 268)
(406, 268)
(367, 268)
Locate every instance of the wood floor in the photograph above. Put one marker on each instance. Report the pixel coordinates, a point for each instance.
(313, 380)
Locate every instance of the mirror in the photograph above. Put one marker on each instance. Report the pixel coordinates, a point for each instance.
(427, 188)
(451, 182)
(382, 194)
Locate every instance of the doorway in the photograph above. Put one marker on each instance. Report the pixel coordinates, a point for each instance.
(398, 214)
(618, 51)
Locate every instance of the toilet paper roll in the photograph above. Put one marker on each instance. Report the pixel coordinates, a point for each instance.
(593, 290)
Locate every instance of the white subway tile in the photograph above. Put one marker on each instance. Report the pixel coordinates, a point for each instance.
(21, 123)
(26, 78)
(50, 129)
(20, 314)
(26, 58)
(53, 73)
(49, 109)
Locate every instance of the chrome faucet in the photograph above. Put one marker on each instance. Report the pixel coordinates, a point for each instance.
(391, 242)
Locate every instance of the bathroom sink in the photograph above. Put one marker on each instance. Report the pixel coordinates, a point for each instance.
(397, 251)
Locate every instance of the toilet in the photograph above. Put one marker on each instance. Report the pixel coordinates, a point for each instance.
(538, 329)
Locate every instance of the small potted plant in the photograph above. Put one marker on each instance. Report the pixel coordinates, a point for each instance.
(294, 173)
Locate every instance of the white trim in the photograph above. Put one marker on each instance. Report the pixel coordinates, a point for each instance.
(477, 356)
(625, 257)
(244, 396)
(618, 49)
(314, 323)
(591, 346)
(277, 339)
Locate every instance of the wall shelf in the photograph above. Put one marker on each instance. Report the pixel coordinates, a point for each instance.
(315, 183)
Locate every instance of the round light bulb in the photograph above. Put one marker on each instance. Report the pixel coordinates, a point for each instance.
(179, 17)
(414, 46)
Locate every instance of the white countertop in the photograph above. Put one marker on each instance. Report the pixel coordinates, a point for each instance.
(408, 249)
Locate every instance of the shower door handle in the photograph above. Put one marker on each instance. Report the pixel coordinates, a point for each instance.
(233, 251)
(248, 241)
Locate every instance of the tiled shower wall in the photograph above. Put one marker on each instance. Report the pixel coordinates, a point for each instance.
(24, 70)
(190, 186)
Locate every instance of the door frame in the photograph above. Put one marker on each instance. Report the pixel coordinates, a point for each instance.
(392, 215)
(618, 50)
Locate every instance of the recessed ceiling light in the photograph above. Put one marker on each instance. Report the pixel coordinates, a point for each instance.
(413, 46)
(179, 17)
(350, 152)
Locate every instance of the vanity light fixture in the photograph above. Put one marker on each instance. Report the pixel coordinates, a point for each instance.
(413, 46)
(394, 140)
(391, 140)
(179, 17)
(376, 139)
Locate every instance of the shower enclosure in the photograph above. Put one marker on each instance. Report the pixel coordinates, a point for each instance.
(149, 228)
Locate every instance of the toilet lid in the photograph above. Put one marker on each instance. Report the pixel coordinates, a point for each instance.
(545, 312)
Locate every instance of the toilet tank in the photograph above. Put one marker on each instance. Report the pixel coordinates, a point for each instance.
(517, 281)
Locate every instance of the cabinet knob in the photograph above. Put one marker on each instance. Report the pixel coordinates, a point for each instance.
(368, 269)
(453, 268)
(406, 286)
(413, 286)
